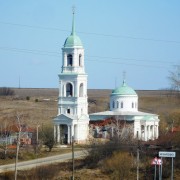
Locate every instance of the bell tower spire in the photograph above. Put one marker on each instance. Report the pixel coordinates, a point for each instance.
(73, 21)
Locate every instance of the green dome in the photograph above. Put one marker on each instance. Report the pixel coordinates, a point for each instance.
(73, 39)
(123, 90)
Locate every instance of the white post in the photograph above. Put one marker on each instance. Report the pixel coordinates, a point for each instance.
(140, 132)
(65, 60)
(155, 172)
(145, 132)
(55, 136)
(153, 134)
(69, 135)
(58, 134)
(157, 131)
(77, 132)
(172, 170)
(148, 132)
(161, 167)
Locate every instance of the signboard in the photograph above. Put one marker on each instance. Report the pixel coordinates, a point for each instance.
(167, 154)
(156, 161)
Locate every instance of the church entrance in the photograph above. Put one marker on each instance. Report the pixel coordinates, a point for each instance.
(64, 134)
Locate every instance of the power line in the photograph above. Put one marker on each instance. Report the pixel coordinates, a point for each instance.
(31, 51)
(34, 27)
(140, 65)
(131, 37)
(92, 33)
(101, 58)
(131, 59)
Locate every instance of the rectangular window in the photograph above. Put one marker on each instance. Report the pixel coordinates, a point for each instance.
(68, 111)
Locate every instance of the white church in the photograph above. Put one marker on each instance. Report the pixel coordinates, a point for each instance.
(72, 121)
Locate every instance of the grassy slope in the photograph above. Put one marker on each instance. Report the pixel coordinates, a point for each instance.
(43, 111)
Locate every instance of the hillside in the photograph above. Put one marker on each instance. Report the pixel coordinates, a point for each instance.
(42, 104)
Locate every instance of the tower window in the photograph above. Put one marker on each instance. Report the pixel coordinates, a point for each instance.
(81, 90)
(68, 111)
(80, 60)
(69, 60)
(69, 90)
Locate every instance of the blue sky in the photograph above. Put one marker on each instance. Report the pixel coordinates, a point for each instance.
(139, 37)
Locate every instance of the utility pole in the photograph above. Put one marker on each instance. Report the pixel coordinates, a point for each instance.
(37, 137)
(72, 178)
(138, 163)
(17, 146)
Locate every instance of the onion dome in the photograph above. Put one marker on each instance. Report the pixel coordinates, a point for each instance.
(123, 90)
(73, 40)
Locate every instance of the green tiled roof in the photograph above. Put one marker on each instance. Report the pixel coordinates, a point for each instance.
(73, 39)
(123, 90)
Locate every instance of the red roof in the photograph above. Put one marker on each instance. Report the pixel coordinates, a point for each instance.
(175, 129)
(16, 128)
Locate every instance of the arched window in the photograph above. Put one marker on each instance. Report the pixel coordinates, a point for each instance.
(81, 90)
(117, 104)
(69, 90)
(69, 60)
(113, 105)
(132, 105)
(121, 104)
(137, 134)
(68, 111)
(80, 60)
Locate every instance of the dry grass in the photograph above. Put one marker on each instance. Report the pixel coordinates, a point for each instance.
(58, 171)
(43, 111)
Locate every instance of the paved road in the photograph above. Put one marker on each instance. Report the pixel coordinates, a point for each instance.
(42, 161)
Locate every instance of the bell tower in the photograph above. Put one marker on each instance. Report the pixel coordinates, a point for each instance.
(72, 101)
(73, 79)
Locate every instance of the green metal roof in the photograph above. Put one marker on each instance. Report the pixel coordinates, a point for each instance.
(73, 39)
(123, 90)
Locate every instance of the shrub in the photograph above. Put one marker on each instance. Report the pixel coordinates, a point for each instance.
(98, 151)
(5, 91)
(27, 98)
(119, 165)
(36, 100)
(47, 136)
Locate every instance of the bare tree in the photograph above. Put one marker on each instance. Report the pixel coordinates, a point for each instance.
(123, 130)
(5, 139)
(174, 78)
